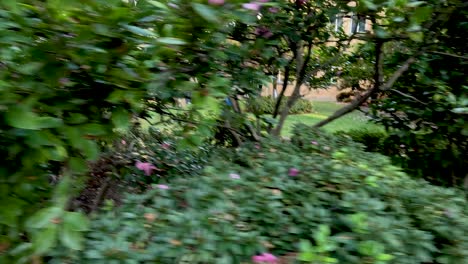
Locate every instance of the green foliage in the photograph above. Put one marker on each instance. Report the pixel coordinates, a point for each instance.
(372, 138)
(155, 147)
(74, 72)
(353, 207)
(266, 105)
(426, 112)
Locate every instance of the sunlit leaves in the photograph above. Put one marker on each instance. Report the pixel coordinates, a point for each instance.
(206, 12)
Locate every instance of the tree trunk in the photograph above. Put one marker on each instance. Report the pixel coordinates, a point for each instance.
(275, 87)
(300, 74)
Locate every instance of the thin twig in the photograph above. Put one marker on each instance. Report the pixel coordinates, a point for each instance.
(450, 54)
(408, 96)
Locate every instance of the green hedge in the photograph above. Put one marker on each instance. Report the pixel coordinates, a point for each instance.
(373, 139)
(320, 195)
(263, 105)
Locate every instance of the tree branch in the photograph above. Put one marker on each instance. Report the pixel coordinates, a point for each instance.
(361, 99)
(287, 72)
(408, 96)
(449, 54)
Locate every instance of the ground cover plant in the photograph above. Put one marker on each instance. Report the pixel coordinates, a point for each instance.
(318, 197)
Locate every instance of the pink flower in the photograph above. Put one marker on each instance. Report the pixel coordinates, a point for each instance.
(265, 258)
(165, 145)
(293, 172)
(123, 142)
(314, 142)
(146, 167)
(162, 186)
(273, 10)
(234, 176)
(64, 81)
(264, 32)
(216, 2)
(252, 6)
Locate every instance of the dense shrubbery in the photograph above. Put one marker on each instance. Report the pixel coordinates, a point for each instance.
(72, 72)
(75, 72)
(320, 194)
(158, 149)
(373, 139)
(266, 105)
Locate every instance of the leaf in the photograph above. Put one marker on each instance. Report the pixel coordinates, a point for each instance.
(71, 238)
(93, 129)
(75, 221)
(171, 41)
(76, 118)
(322, 234)
(206, 12)
(422, 14)
(415, 3)
(48, 122)
(140, 31)
(21, 117)
(460, 110)
(381, 33)
(62, 191)
(45, 239)
(369, 4)
(11, 208)
(384, 257)
(58, 153)
(398, 19)
(306, 251)
(78, 165)
(158, 4)
(30, 68)
(43, 217)
(417, 36)
(90, 149)
(121, 119)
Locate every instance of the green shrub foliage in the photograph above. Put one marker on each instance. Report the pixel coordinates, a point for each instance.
(158, 149)
(266, 105)
(320, 195)
(71, 73)
(372, 138)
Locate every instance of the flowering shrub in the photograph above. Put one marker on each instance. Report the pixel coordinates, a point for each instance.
(145, 157)
(74, 72)
(319, 195)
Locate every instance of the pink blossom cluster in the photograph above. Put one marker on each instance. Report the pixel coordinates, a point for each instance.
(147, 167)
(265, 258)
(254, 5)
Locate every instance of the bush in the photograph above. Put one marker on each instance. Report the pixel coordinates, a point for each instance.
(319, 194)
(434, 157)
(116, 172)
(160, 150)
(71, 73)
(264, 105)
(372, 139)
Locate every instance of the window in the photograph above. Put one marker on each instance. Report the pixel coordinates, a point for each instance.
(358, 24)
(337, 22)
